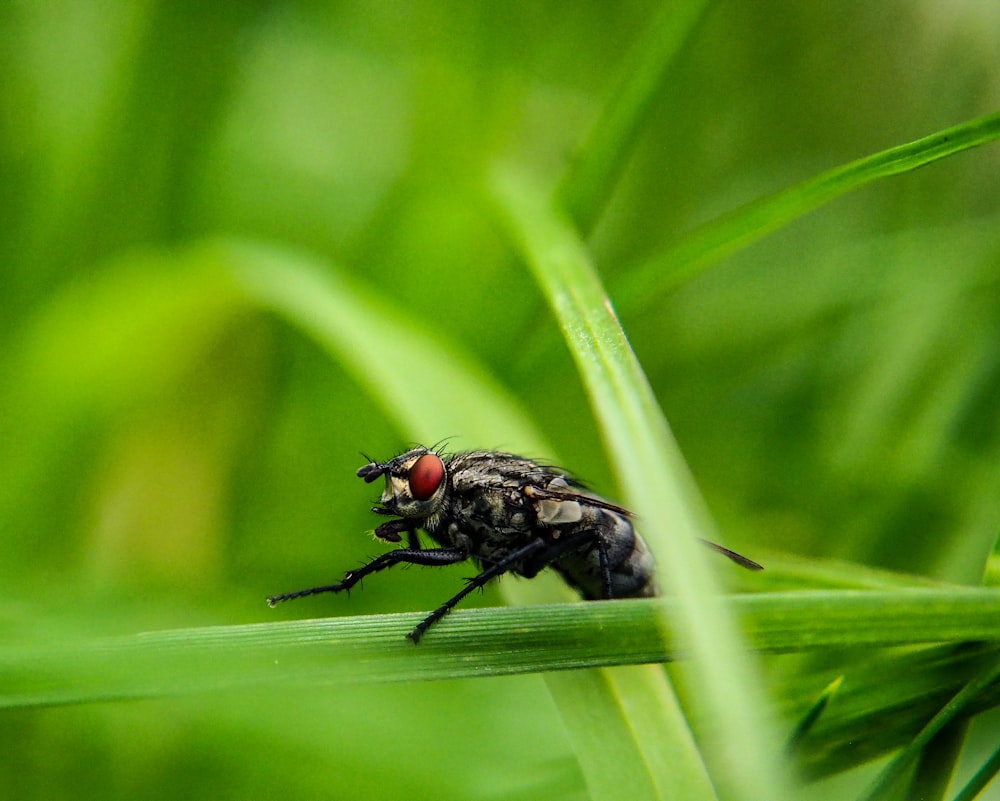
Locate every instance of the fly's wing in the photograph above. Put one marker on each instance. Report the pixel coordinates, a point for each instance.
(738, 558)
(559, 502)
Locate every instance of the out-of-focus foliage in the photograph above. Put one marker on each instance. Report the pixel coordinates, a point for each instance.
(171, 452)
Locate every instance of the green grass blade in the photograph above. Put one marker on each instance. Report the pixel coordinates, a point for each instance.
(956, 707)
(475, 643)
(589, 182)
(736, 230)
(655, 482)
(808, 720)
(671, 765)
(790, 572)
(986, 773)
(937, 761)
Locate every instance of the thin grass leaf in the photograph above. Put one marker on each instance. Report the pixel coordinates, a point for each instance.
(366, 336)
(737, 229)
(805, 725)
(937, 761)
(655, 481)
(589, 182)
(473, 643)
(672, 766)
(980, 781)
(871, 717)
(958, 706)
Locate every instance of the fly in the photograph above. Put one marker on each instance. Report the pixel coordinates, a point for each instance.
(510, 515)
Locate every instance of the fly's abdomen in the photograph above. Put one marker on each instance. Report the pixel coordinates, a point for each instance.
(630, 565)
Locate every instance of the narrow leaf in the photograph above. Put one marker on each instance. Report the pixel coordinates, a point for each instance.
(734, 231)
(655, 480)
(474, 643)
(956, 707)
(986, 773)
(803, 727)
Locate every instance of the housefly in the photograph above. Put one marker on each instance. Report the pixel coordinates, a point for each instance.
(510, 515)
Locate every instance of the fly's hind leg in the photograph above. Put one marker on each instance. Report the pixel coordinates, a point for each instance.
(494, 570)
(588, 537)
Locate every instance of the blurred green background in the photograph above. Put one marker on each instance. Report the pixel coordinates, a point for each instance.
(171, 453)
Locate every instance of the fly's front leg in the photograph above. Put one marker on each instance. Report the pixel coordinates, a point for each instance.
(414, 556)
(390, 531)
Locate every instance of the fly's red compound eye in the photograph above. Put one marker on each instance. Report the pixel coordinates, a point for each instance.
(425, 476)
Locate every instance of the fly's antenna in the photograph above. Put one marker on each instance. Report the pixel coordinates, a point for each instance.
(371, 471)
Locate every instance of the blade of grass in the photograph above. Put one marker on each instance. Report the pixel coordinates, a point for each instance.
(590, 179)
(871, 717)
(956, 707)
(476, 643)
(937, 761)
(655, 480)
(736, 230)
(790, 572)
(986, 773)
(813, 714)
(366, 336)
(672, 765)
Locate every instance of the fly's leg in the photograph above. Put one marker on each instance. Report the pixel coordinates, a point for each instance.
(475, 583)
(589, 540)
(605, 563)
(555, 549)
(391, 531)
(412, 556)
(587, 537)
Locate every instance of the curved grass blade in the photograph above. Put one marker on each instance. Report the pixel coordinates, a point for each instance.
(736, 230)
(416, 377)
(654, 479)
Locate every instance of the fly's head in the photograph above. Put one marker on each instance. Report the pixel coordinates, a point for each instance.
(415, 484)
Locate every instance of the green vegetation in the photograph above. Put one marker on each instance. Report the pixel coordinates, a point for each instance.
(685, 252)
